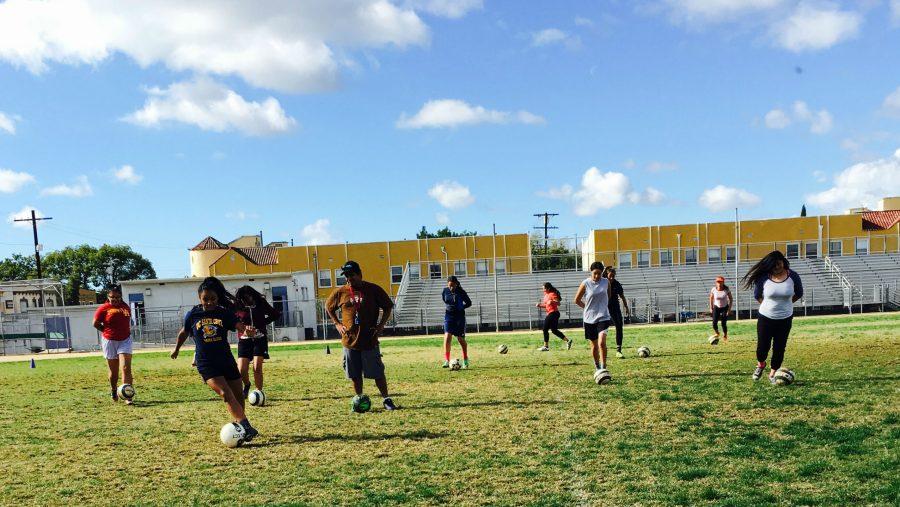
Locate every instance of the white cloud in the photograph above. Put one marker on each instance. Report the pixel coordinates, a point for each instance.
(891, 104)
(629, 164)
(862, 184)
(721, 198)
(12, 181)
(820, 176)
(318, 233)
(653, 196)
(451, 113)
(895, 11)
(600, 191)
(820, 122)
(81, 188)
(211, 106)
(563, 192)
(278, 44)
(23, 213)
(777, 119)
(442, 218)
(127, 174)
(814, 26)
(452, 9)
(8, 123)
(658, 167)
(582, 21)
(240, 215)
(704, 11)
(550, 36)
(451, 194)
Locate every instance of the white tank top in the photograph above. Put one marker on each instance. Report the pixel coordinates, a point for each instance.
(596, 300)
(720, 298)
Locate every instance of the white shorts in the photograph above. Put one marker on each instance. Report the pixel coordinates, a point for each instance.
(112, 348)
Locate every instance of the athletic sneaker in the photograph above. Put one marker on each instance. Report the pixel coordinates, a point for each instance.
(129, 402)
(446, 364)
(115, 395)
(246, 390)
(772, 380)
(544, 348)
(757, 373)
(619, 354)
(249, 434)
(569, 344)
(389, 404)
(465, 364)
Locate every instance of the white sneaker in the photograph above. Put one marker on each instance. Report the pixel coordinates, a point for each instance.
(544, 348)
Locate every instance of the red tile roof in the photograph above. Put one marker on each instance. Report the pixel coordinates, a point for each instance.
(259, 255)
(880, 220)
(210, 243)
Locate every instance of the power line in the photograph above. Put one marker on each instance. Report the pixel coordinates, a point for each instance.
(546, 227)
(37, 246)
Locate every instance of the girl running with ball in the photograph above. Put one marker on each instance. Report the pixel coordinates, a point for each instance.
(550, 304)
(593, 298)
(720, 301)
(209, 323)
(456, 301)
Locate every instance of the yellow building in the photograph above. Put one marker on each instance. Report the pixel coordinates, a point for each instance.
(861, 232)
(382, 262)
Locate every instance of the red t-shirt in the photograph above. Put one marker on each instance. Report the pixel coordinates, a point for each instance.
(551, 302)
(116, 321)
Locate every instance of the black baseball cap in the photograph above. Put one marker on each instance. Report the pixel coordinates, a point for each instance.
(351, 267)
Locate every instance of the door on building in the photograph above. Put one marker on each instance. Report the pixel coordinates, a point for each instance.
(280, 302)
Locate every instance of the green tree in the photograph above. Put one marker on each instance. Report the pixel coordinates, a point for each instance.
(803, 211)
(119, 262)
(74, 266)
(87, 267)
(557, 256)
(18, 267)
(443, 233)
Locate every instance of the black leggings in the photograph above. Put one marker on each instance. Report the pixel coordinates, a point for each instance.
(720, 314)
(615, 314)
(551, 323)
(772, 333)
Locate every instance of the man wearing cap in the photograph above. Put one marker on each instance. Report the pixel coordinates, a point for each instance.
(720, 301)
(360, 304)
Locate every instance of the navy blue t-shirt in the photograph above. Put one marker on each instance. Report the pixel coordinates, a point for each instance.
(210, 332)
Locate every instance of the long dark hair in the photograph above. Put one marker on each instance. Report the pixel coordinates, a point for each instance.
(211, 283)
(764, 267)
(258, 299)
(452, 278)
(550, 288)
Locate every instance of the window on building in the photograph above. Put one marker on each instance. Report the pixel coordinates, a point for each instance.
(434, 271)
(792, 251)
(644, 259)
(339, 279)
(812, 250)
(690, 256)
(730, 254)
(9, 305)
(304, 293)
(624, 260)
(415, 271)
(51, 302)
(835, 248)
(714, 255)
(23, 304)
(324, 278)
(500, 267)
(396, 274)
(665, 257)
(460, 268)
(481, 268)
(862, 246)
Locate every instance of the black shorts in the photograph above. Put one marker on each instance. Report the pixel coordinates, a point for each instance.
(220, 367)
(592, 331)
(253, 347)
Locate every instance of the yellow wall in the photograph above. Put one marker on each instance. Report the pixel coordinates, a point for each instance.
(377, 258)
(757, 238)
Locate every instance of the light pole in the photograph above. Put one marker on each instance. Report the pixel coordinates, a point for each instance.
(446, 260)
(737, 260)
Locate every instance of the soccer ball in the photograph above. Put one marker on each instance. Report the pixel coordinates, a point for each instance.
(784, 377)
(257, 398)
(232, 435)
(713, 340)
(361, 403)
(503, 349)
(126, 391)
(644, 352)
(602, 377)
(455, 365)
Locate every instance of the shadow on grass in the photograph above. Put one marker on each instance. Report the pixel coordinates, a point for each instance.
(347, 396)
(493, 403)
(704, 353)
(365, 437)
(850, 380)
(151, 403)
(536, 365)
(696, 375)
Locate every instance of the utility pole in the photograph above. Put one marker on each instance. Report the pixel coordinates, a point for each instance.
(546, 227)
(37, 247)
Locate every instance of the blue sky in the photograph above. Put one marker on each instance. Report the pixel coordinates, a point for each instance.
(156, 125)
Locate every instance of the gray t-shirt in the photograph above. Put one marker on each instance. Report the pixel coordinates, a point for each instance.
(596, 300)
(777, 297)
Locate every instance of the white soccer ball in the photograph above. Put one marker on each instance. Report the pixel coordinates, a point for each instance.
(643, 352)
(455, 365)
(503, 349)
(602, 377)
(126, 391)
(232, 435)
(784, 377)
(713, 340)
(257, 398)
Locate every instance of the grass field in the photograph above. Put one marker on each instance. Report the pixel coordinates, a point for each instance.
(686, 426)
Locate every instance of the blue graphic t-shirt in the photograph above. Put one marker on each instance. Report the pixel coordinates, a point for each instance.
(210, 331)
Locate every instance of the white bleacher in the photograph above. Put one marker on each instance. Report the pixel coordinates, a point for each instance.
(868, 273)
